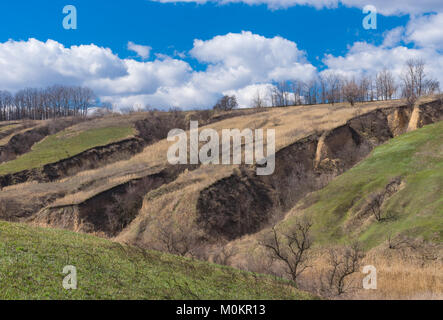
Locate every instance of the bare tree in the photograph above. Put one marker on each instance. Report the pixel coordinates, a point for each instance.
(363, 90)
(297, 88)
(258, 101)
(291, 248)
(431, 87)
(371, 89)
(6, 102)
(333, 87)
(323, 89)
(385, 85)
(280, 95)
(311, 91)
(343, 262)
(351, 91)
(414, 82)
(226, 103)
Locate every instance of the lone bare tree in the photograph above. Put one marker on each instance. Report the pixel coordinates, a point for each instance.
(343, 262)
(291, 247)
(226, 103)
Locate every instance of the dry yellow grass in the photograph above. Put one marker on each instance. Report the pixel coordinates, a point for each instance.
(401, 280)
(400, 275)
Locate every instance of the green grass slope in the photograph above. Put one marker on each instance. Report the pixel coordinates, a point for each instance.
(64, 145)
(32, 260)
(415, 210)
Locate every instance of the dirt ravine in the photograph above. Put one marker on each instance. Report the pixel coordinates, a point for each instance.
(244, 203)
(108, 212)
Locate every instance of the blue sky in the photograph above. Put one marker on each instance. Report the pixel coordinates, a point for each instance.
(330, 38)
(174, 26)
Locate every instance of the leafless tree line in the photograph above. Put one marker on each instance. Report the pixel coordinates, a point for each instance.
(333, 88)
(47, 103)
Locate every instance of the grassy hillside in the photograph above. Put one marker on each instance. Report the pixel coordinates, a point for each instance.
(64, 145)
(415, 209)
(32, 260)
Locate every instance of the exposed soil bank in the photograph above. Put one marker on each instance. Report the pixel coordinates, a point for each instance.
(89, 159)
(16, 127)
(244, 203)
(109, 212)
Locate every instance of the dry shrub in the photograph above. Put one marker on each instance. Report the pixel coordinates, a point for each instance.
(343, 262)
(291, 247)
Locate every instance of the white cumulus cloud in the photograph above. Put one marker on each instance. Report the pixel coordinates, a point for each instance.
(364, 58)
(427, 31)
(35, 63)
(142, 51)
(233, 61)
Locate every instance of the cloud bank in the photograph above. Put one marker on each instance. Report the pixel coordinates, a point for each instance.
(235, 63)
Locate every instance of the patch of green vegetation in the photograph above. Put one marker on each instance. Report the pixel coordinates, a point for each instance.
(416, 209)
(63, 145)
(32, 262)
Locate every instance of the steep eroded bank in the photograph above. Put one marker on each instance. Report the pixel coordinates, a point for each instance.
(303, 167)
